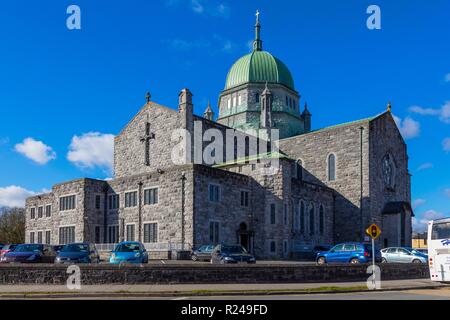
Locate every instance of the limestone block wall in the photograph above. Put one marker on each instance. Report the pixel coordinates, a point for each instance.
(385, 139)
(129, 150)
(343, 141)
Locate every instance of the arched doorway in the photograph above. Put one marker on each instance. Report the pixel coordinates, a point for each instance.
(245, 237)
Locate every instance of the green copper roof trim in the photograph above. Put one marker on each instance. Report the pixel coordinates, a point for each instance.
(259, 67)
(243, 160)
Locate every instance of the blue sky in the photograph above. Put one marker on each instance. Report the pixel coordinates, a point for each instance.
(69, 90)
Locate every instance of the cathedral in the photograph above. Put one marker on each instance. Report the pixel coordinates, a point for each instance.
(327, 185)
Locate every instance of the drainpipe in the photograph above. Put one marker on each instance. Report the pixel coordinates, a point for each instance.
(361, 184)
(183, 196)
(140, 211)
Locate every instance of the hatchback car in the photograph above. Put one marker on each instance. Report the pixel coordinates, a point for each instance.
(30, 253)
(78, 253)
(203, 253)
(129, 252)
(350, 252)
(231, 254)
(403, 255)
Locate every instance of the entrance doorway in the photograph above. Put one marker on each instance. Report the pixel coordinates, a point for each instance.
(245, 237)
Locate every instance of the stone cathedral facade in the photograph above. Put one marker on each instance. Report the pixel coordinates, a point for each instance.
(330, 185)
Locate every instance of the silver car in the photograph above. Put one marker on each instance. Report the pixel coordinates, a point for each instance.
(402, 255)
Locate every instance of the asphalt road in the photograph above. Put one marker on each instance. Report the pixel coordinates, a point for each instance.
(422, 294)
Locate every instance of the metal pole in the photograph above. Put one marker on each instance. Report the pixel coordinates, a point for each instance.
(373, 261)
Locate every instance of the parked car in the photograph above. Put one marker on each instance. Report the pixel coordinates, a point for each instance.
(129, 252)
(318, 249)
(78, 253)
(231, 254)
(403, 255)
(349, 252)
(31, 253)
(7, 248)
(203, 253)
(58, 247)
(424, 251)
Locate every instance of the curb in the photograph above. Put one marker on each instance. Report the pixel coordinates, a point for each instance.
(196, 294)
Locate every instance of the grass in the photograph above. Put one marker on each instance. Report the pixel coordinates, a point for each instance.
(197, 292)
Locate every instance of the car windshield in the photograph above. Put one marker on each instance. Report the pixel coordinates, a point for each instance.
(75, 248)
(233, 249)
(28, 248)
(128, 247)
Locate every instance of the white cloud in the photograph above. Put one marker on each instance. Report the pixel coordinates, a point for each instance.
(14, 196)
(443, 112)
(35, 150)
(446, 144)
(91, 150)
(408, 127)
(197, 6)
(418, 202)
(447, 193)
(424, 166)
(421, 224)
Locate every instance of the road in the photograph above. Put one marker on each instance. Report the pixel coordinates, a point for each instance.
(422, 294)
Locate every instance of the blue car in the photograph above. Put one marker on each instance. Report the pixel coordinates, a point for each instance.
(129, 252)
(349, 252)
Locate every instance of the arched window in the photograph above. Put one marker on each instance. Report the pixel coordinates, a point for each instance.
(302, 217)
(234, 101)
(257, 97)
(299, 168)
(311, 220)
(247, 148)
(296, 217)
(331, 167)
(239, 100)
(321, 219)
(235, 147)
(287, 101)
(229, 103)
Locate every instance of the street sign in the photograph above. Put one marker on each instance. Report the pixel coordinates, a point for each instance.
(373, 231)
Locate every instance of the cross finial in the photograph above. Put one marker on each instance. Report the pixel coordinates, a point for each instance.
(148, 96)
(389, 107)
(257, 15)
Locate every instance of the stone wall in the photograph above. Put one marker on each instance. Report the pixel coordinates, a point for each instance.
(129, 149)
(385, 139)
(186, 274)
(343, 141)
(58, 218)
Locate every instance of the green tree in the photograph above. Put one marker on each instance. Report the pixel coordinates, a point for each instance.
(12, 225)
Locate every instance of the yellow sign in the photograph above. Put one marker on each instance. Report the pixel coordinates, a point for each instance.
(374, 231)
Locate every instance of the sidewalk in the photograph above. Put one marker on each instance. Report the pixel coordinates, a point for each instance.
(39, 291)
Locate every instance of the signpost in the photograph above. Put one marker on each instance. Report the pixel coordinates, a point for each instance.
(374, 232)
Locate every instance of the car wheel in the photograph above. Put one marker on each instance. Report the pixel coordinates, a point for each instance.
(194, 257)
(416, 261)
(355, 261)
(383, 260)
(321, 260)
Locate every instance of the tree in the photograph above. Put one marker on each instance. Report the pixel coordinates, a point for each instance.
(12, 225)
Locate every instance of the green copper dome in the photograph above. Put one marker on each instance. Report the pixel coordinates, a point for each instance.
(259, 66)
